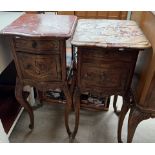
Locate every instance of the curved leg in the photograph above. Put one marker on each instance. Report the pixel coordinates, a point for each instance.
(124, 110)
(114, 105)
(67, 108)
(135, 117)
(39, 98)
(107, 102)
(37, 104)
(20, 99)
(76, 101)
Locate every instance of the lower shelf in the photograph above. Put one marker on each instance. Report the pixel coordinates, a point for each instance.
(88, 101)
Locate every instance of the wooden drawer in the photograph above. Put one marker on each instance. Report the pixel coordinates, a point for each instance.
(113, 76)
(40, 67)
(36, 45)
(119, 54)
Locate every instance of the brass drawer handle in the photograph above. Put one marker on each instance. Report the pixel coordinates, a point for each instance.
(34, 44)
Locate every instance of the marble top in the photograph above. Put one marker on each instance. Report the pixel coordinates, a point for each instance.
(42, 25)
(109, 33)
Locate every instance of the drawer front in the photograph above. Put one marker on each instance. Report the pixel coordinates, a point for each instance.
(108, 76)
(119, 54)
(35, 45)
(39, 67)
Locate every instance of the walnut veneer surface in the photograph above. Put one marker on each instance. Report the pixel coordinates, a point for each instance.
(96, 14)
(145, 71)
(39, 51)
(107, 52)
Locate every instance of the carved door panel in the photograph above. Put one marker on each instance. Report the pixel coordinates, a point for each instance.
(105, 69)
(112, 77)
(39, 67)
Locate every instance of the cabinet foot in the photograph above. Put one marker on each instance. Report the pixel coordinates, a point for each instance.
(25, 104)
(135, 117)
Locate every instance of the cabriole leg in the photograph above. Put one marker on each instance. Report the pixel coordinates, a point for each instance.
(67, 108)
(25, 104)
(114, 105)
(124, 110)
(135, 117)
(76, 102)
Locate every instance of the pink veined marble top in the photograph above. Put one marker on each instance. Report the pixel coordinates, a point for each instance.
(42, 25)
(109, 33)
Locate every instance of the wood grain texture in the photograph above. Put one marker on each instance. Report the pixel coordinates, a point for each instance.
(30, 45)
(144, 90)
(147, 25)
(34, 67)
(39, 50)
(104, 67)
(96, 14)
(104, 72)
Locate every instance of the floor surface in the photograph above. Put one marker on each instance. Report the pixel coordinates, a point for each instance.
(94, 127)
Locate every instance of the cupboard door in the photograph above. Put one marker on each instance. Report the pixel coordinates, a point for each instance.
(40, 67)
(106, 77)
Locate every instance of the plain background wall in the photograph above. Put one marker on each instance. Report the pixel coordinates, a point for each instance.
(5, 55)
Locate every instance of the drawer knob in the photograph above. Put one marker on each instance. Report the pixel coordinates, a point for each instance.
(86, 75)
(103, 76)
(34, 44)
(28, 66)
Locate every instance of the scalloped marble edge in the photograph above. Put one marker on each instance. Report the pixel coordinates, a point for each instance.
(78, 42)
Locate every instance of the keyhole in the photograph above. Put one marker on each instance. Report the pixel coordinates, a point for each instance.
(34, 44)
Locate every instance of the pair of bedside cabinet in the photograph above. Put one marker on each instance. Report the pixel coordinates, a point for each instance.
(104, 55)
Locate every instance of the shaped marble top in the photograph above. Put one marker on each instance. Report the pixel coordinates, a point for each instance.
(109, 33)
(42, 25)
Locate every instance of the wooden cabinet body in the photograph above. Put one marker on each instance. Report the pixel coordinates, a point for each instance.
(39, 60)
(107, 52)
(39, 51)
(105, 71)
